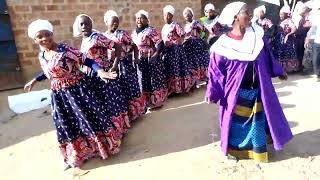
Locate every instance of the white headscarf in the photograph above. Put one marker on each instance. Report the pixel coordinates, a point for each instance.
(299, 8)
(76, 25)
(186, 10)
(260, 8)
(228, 13)
(168, 9)
(142, 12)
(309, 4)
(109, 15)
(285, 9)
(256, 12)
(208, 7)
(313, 4)
(39, 25)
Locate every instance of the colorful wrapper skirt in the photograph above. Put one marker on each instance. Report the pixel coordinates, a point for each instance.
(249, 130)
(177, 69)
(198, 56)
(130, 85)
(153, 81)
(86, 126)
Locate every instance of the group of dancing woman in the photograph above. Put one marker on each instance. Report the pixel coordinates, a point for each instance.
(288, 37)
(115, 77)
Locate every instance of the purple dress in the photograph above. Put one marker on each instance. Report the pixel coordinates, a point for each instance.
(225, 77)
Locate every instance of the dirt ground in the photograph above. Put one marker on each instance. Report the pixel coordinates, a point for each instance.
(179, 141)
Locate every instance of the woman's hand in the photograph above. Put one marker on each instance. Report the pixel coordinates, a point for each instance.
(113, 69)
(107, 75)
(28, 87)
(155, 55)
(307, 43)
(286, 39)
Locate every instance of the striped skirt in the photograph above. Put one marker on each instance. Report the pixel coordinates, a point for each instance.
(249, 130)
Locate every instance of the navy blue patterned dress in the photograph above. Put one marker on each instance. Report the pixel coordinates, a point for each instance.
(85, 126)
(178, 67)
(128, 74)
(96, 47)
(153, 80)
(196, 50)
(286, 52)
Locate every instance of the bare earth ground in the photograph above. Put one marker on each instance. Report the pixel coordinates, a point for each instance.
(179, 141)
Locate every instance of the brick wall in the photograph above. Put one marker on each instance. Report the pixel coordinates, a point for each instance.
(63, 12)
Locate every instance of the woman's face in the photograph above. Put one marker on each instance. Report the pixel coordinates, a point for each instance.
(44, 38)
(244, 16)
(188, 16)
(167, 18)
(211, 14)
(142, 21)
(85, 26)
(261, 14)
(283, 16)
(114, 24)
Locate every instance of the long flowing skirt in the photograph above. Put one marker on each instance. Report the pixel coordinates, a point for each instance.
(85, 125)
(154, 87)
(131, 88)
(286, 52)
(249, 129)
(177, 69)
(198, 55)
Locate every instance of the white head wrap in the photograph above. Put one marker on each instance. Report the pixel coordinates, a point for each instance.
(309, 4)
(256, 12)
(109, 15)
(228, 13)
(76, 25)
(168, 9)
(299, 8)
(142, 12)
(313, 4)
(208, 7)
(285, 9)
(260, 8)
(186, 10)
(39, 25)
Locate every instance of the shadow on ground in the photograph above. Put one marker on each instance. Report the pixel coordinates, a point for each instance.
(308, 143)
(183, 123)
(21, 128)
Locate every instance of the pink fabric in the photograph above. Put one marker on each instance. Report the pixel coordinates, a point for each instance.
(287, 25)
(96, 48)
(193, 29)
(265, 23)
(146, 41)
(123, 39)
(63, 69)
(172, 33)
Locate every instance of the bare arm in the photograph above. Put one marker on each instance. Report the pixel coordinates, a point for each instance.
(117, 48)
